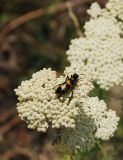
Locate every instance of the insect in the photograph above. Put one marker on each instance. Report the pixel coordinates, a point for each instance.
(67, 86)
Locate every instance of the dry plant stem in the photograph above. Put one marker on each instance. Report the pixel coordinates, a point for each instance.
(5, 128)
(38, 13)
(72, 156)
(6, 115)
(13, 153)
(74, 19)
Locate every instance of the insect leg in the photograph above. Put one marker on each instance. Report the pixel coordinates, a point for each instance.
(57, 140)
(70, 98)
(67, 78)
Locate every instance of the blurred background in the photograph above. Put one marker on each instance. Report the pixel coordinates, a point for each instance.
(34, 35)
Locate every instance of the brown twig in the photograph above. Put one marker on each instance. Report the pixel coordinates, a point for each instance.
(37, 13)
(20, 153)
(5, 128)
(6, 115)
(74, 19)
(72, 156)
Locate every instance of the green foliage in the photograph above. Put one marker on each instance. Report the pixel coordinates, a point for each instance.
(99, 92)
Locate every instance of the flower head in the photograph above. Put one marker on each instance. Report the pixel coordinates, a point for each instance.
(101, 59)
(82, 121)
(100, 52)
(94, 122)
(40, 107)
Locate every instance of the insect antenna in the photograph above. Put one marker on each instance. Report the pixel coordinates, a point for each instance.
(75, 70)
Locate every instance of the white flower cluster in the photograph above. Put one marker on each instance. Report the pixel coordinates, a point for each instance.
(82, 120)
(115, 7)
(39, 106)
(101, 59)
(100, 52)
(94, 122)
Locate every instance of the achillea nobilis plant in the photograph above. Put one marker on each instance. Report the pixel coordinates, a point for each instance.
(98, 58)
(82, 121)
